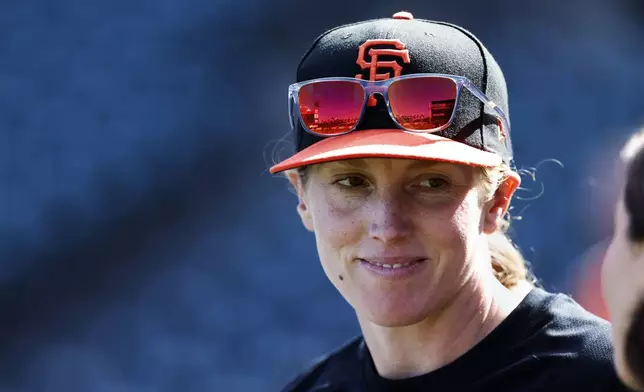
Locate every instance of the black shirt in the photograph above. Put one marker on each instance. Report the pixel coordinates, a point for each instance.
(548, 343)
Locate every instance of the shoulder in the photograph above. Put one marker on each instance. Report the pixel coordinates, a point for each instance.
(561, 312)
(574, 344)
(329, 369)
(567, 321)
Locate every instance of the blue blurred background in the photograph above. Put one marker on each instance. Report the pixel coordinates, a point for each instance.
(145, 247)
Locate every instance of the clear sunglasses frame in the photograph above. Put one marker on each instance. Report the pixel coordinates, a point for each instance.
(381, 87)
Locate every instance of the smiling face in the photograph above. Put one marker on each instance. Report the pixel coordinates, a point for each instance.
(398, 238)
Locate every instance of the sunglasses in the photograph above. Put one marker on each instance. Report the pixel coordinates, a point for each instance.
(418, 102)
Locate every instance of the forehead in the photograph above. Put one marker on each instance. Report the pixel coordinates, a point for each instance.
(393, 165)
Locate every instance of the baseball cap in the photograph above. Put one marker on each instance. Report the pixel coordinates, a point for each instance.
(474, 137)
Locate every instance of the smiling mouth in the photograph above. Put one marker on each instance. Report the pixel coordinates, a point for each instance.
(393, 265)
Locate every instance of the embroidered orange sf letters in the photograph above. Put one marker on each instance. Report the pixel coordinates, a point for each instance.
(375, 65)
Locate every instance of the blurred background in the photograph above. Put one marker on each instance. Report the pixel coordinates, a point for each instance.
(145, 247)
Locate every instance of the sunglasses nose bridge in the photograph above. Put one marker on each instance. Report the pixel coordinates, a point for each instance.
(371, 90)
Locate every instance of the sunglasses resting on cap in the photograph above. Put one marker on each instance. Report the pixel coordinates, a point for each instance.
(399, 88)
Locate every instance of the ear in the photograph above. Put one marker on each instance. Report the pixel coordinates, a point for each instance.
(302, 209)
(495, 209)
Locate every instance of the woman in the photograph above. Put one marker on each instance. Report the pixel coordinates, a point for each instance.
(623, 269)
(404, 173)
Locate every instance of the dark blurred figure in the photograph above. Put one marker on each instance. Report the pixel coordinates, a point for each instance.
(623, 269)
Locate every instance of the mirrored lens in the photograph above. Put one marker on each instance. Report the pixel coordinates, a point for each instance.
(331, 107)
(423, 104)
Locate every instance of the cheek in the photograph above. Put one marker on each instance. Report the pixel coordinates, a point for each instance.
(459, 236)
(610, 258)
(452, 230)
(464, 238)
(617, 279)
(337, 231)
(611, 268)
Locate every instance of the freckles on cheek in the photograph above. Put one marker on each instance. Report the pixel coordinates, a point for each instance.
(336, 218)
(337, 230)
(335, 226)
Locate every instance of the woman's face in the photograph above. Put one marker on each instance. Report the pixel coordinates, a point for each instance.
(398, 238)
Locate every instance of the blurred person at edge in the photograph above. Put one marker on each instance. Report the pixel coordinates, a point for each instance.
(623, 269)
(404, 173)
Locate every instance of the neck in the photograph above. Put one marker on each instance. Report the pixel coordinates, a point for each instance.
(403, 352)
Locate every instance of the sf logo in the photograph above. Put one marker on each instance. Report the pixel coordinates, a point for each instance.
(375, 64)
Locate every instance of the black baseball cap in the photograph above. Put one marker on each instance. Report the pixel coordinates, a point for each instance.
(473, 138)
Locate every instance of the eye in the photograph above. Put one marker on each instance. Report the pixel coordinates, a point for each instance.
(435, 183)
(352, 182)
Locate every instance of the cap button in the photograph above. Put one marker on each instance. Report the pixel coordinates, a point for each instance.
(403, 15)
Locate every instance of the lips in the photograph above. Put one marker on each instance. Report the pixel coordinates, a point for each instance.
(393, 263)
(390, 268)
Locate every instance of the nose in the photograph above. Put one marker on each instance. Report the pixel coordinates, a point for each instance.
(389, 220)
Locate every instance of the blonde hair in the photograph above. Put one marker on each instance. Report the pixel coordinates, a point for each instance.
(508, 264)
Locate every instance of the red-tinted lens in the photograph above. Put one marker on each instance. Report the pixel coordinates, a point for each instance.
(331, 107)
(422, 104)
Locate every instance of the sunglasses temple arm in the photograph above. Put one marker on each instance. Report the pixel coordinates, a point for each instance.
(501, 115)
(490, 104)
(291, 105)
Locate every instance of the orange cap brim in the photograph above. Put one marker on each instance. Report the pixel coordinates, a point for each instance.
(389, 143)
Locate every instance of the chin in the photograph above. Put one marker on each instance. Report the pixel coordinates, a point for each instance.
(395, 316)
(397, 308)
